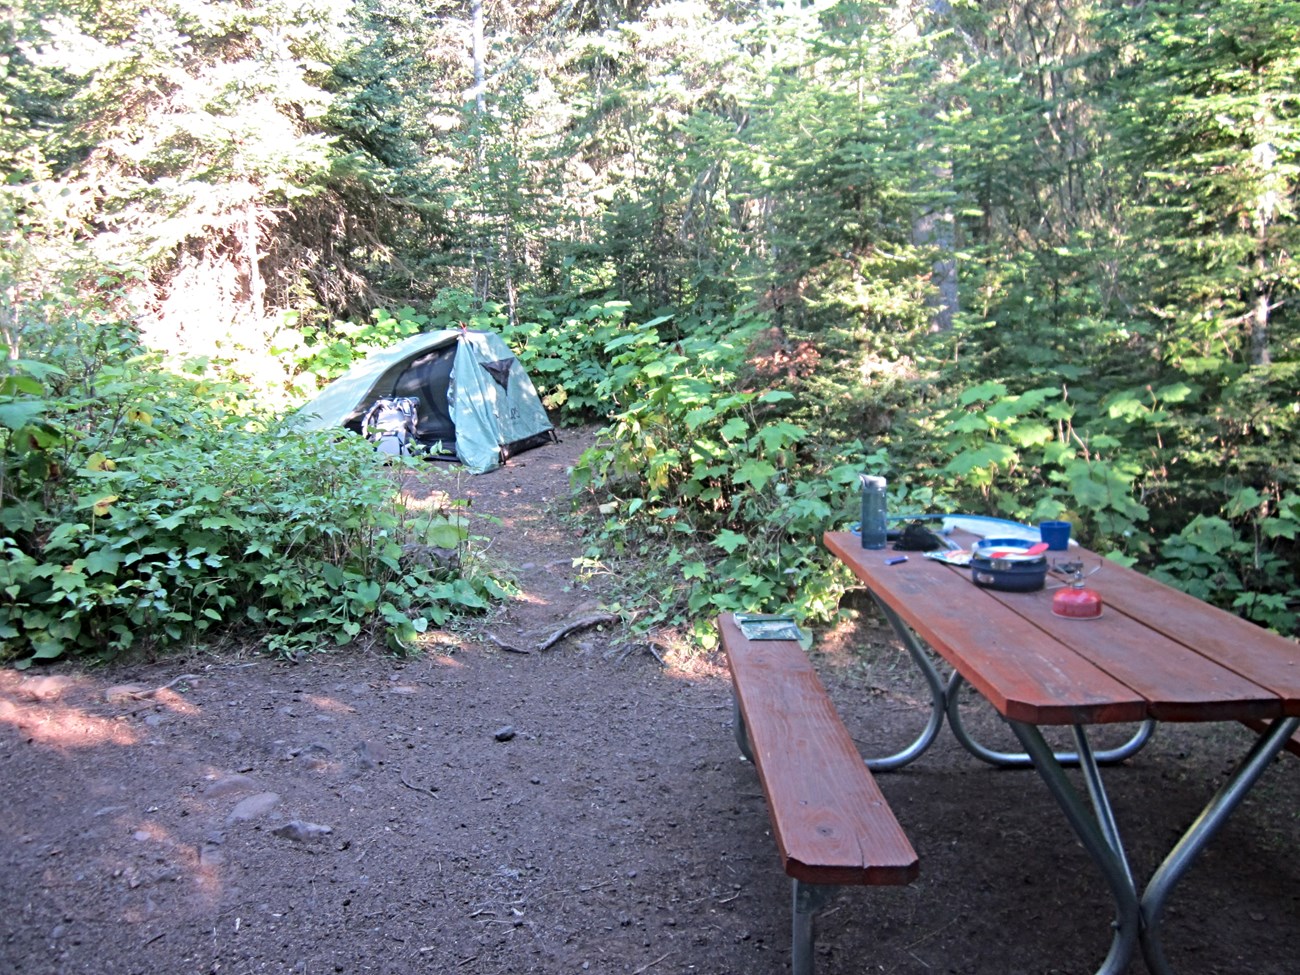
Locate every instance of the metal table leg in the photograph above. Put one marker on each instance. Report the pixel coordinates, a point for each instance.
(946, 700)
(1095, 825)
(1022, 759)
(1216, 813)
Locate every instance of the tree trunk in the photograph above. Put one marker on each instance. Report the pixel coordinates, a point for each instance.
(479, 55)
(1259, 352)
(253, 253)
(935, 228)
(480, 259)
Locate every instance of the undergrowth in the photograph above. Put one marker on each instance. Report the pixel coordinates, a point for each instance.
(142, 506)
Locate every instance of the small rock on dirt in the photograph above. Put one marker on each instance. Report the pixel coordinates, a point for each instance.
(48, 688)
(124, 693)
(253, 807)
(302, 832)
(228, 784)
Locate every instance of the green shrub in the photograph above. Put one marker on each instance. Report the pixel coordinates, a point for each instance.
(142, 506)
(704, 482)
(568, 356)
(715, 485)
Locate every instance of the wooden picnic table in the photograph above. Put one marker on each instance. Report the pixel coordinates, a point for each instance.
(1154, 655)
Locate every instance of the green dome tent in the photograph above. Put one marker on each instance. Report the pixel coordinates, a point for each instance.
(473, 396)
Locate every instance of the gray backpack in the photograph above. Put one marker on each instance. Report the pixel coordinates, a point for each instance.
(390, 425)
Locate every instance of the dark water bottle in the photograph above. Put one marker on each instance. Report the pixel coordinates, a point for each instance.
(873, 511)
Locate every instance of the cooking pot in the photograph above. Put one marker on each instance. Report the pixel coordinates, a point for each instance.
(1004, 564)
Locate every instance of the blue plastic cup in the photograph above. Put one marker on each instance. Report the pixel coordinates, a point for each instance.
(1056, 534)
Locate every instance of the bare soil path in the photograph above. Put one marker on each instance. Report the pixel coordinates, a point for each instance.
(479, 810)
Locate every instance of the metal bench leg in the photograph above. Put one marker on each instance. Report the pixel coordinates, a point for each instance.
(807, 899)
(738, 727)
(938, 696)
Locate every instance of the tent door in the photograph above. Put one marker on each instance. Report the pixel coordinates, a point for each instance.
(428, 379)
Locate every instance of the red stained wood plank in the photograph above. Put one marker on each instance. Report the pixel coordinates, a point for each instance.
(1026, 673)
(1178, 683)
(1256, 654)
(831, 822)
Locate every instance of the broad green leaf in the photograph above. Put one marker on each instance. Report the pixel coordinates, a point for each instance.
(735, 429)
(755, 472)
(105, 560)
(368, 592)
(1030, 434)
(776, 436)
(15, 416)
(984, 391)
(1175, 393)
(40, 370)
(1126, 406)
(1279, 527)
(20, 385)
(65, 532)
(1211, 535)
(989, 455)
(968, 423)
(446, 534)
(1245, 501)
(699, 415)
(729, 540)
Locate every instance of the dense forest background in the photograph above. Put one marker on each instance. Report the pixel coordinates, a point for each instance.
(1033, 258)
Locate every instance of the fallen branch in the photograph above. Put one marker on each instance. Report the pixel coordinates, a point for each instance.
(623, 651)
(141, 695)
(586, 623)
(507, 646)
(651, 964)
(415, 788)
(123, 694)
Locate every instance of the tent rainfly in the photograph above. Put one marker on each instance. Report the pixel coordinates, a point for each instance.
(475, 401)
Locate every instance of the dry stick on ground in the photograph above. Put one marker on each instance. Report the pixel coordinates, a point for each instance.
(141, 695)
(586, 623)
(623, 651)
(648, 965)
(507, 646)
(415, 788)
(149, 694)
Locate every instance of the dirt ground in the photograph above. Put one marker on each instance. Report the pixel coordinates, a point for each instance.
(581, 809)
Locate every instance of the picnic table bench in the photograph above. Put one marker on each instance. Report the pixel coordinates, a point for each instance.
(831, 823)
